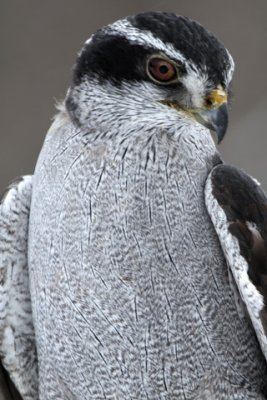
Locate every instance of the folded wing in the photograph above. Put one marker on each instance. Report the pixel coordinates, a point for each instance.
(238, 209)
(17, 341)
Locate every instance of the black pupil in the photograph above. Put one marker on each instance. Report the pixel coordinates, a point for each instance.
(163, 69)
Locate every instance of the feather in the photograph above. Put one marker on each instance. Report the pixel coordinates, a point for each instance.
(17, 340)
(238, 209)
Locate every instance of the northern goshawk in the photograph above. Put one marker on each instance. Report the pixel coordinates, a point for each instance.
(133, 260)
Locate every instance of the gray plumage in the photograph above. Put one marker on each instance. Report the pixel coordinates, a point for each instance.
(130, 290)
(17, 344)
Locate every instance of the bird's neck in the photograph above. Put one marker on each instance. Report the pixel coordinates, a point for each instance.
(176, 153)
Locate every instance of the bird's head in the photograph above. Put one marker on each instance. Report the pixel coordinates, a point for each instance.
(153, 65)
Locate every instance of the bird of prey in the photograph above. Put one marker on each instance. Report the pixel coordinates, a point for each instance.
(133, 261)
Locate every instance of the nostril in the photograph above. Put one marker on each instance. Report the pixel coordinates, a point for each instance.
(209, 102)
(215, 98)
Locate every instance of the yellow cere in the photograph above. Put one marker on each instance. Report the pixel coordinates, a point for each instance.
(216, 98)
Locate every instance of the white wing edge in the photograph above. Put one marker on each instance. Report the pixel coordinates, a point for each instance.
(17, 340)
(250, 295)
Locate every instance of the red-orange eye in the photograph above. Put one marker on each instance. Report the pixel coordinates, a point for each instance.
(161, 70)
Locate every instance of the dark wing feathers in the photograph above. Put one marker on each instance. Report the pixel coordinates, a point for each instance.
(245, 205)
(7, 388)
(238, 208)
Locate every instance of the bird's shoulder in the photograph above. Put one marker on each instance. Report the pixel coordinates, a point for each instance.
(237, 206)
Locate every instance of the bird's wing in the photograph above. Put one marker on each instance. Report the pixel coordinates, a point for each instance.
(17, 341)
(238, 209)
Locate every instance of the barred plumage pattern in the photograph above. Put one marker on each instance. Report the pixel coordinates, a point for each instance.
(131, 295)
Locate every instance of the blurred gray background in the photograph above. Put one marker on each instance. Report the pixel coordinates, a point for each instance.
(39, 43)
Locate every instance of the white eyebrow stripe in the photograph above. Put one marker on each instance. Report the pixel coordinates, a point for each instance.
(125, 29)
(144, 37)
(230, 71)
(89, 40)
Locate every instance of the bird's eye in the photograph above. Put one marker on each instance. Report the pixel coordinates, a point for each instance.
(160, 70)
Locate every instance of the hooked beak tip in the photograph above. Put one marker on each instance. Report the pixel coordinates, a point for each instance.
(215, 119)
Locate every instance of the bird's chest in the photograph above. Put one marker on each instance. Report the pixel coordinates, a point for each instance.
(130, 290)
(131, 229)
(116, 269)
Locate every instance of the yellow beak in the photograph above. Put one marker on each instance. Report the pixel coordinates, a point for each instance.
(213, 115)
